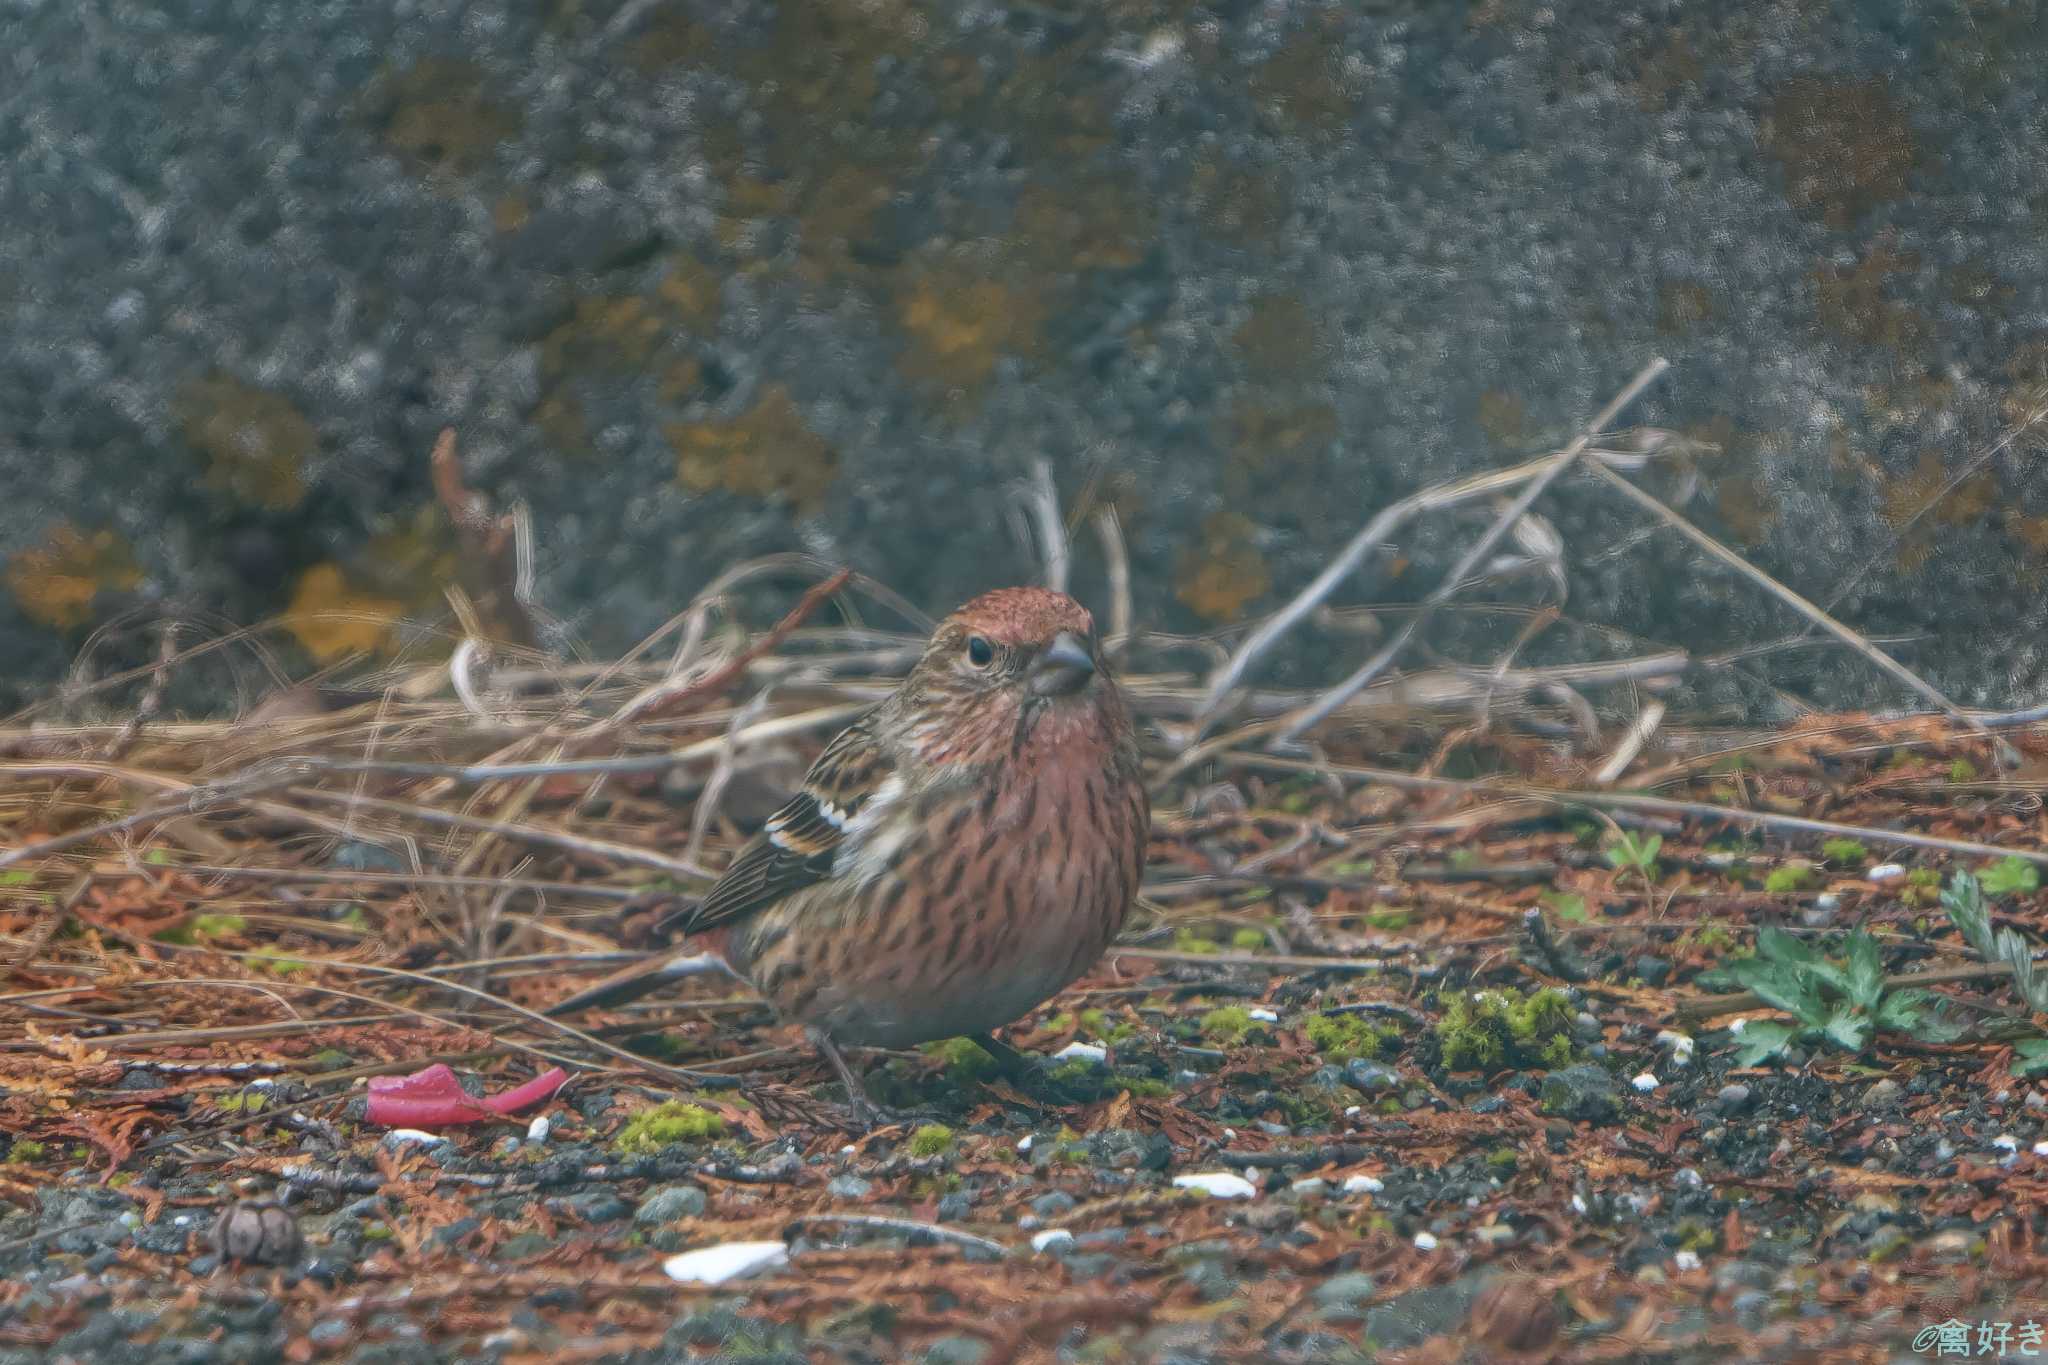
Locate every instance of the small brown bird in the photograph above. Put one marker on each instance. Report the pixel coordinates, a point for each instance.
(955, 857)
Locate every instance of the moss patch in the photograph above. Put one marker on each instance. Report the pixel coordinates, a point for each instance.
(767, 453)
(56, 582)
(934, 1139)
(1228, 1025)
(1845, 145)
(1224, 573)
(1493, 1029)
(254, 442)
(671, 1121)
(332, 619)
(1341, 1037)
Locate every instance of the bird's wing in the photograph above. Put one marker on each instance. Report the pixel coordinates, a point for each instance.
(798, 845)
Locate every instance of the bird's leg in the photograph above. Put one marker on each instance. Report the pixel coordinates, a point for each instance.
(1014, 1065)
(856, 1095)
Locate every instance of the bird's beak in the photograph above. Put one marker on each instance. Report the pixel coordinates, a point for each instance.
(1062, 667)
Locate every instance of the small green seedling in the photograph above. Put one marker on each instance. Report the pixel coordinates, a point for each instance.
(1628, 853)
(2011, 876)
(1845, 852)
(1844, 1003)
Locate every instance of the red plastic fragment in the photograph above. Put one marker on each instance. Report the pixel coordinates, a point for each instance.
(433, 1098)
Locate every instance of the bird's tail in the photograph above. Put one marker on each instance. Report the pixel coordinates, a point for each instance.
(630, 983)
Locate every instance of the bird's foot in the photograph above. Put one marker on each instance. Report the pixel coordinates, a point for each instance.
(1031, 1075)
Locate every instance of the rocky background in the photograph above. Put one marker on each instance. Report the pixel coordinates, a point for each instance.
(699, 280)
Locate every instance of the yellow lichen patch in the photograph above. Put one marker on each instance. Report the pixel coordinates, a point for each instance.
(1240, 205)
(1308, 85)
(956, 325)
(435, 115)
(1665, 70)
(1094, 224)
(614, 333)
(1746, 510)
(1278, 340)
(2031, 533)
(1901, 502)
(691, 290)
(332, 619)
(1852, 304)
(1276, 447)
(54, 583)
(1683, 305)
(1502, 417)
(254, 441)
(1223, 574)
(1845, 146)
(768, 453)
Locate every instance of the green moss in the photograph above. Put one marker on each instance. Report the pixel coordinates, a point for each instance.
(1188, 941)
(376, 1232)
(671, 1121)
(934, 1139)
(1248, 940)
(1141, 1087)
(1962, 770)
(1077, 1071)
(25, 1150)
(241, 1102)
(964, 1058)
(1227, 1025)
(1386, 919)
(1713, 937)
(1790, 877)
(1502, 1158)
(1846, 852)
(276, 963)
(200, 928)
(1341, 1037)
(1094, 1022)
(1493, 1029)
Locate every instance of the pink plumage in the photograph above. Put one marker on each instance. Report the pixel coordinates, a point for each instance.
(955, 857)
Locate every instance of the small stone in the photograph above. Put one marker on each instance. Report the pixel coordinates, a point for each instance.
(257, 1233)
(1264, 1016)
(1362, 1184)
(1425, 1241)
(1686, 1261)
(1884, 874)
(955, 1351)
(1052, 1205)
(1652, 970)
(1051, 1240)
(1644, 1083)
(1313, 1187)
(1370, 1077)
(1584, 1093)
(1082, 1052)
(538, 1130)
(1217, 1184)
(848, 1187)
(1344, 1291)
(727, 1261)
(669, 1203)
(1733, 1099)
(1514, 1314)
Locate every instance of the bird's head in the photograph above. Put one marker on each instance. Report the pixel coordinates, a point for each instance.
(1013, 659)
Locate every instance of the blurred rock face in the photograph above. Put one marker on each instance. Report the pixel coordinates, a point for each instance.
(703, 280)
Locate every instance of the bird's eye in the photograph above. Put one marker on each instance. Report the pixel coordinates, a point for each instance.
(980, 652)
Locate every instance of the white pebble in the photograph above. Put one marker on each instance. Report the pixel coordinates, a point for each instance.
(1023, 1143)
(1363, 1184)
(1645, 1083)
(1352, 1111)
(1085, 1052)
(1217, 1184)
(1579, 1204)
(1425, 1241)
(2041, 1149)
(1735, 1026)
(1264, 1016)
(398, 1137)
(1050, 1238)
(849, 1149)
(1827, 900)
(1884, 874)
(1686, 1260)
(730, 1261)
(538, 1130)
(2006, 1142)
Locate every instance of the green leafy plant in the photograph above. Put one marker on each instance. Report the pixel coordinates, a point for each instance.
(2011, 876)
(1844, 1003)
(1567, 906)
(1964, 901)
(1628, 853)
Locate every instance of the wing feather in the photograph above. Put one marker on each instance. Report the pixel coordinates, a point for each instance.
(799, 844)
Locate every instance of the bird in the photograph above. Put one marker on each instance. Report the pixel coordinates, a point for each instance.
(955, 857)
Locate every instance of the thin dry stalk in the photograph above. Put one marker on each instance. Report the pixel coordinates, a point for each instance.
(1312, 714)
